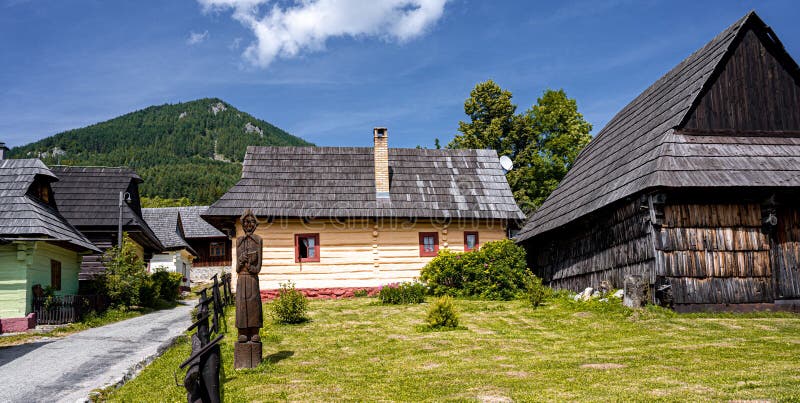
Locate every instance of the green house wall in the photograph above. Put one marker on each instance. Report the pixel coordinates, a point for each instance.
(24, 264)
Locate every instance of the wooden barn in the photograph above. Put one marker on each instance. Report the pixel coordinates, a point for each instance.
(88, 197)
(694, 185)
(333, 219)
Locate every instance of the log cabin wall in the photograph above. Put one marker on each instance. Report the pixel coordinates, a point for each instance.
(714, 253)
(608, 246)
(357, 252)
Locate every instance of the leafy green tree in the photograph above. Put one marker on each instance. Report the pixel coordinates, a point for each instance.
(157, 201)
(543, 141)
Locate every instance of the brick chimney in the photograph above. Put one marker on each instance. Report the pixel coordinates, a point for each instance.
(3, 151)
(381, 137)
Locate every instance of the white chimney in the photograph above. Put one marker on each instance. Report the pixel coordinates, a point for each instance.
(381, 137)
(3, 151)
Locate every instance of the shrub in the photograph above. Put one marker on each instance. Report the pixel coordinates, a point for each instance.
(536, 292)
(402, 293)
(360, 293)
(124, 276)
(149, 292)
(290, 306)
(442, 314)
(496, 271)
(169, 284)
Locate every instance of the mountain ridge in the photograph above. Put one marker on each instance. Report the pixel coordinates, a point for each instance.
(189, 149)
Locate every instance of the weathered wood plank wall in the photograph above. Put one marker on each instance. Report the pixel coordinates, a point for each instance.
(613, 245)
(732, 103)
(786, 254)
(715, 253)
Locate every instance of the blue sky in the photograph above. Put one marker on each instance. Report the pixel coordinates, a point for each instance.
(68, 64)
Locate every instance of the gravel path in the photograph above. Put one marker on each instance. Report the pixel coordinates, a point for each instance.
(67, 369)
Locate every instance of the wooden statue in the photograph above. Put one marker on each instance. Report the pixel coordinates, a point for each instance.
(249, 319)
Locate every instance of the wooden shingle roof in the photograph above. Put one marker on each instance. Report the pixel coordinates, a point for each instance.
(89, 198)
(647, 144)
(340, 182)
(23, 217)
(194, 226)
(166, 223)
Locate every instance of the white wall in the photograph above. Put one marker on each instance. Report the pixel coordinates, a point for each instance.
(174, 261)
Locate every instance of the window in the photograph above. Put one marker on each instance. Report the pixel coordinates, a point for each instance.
(306, 248)
(217, 249)
(428, 243)
(470, 240)
(55, 275)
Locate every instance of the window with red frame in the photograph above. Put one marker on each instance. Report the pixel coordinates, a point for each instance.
(471, 240)
(428, 244)
(306, 248)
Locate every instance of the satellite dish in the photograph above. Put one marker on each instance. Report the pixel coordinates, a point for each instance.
(506, 163)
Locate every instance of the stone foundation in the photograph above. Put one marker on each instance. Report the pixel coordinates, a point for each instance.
(15, 325)
(200, 275)
(323, 293)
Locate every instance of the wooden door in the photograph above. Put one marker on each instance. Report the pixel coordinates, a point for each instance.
(786, 254)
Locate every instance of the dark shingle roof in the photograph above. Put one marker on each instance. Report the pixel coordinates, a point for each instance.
(339, 182)
(89, 197)
(195, 226)
(24, 217)
(166, 224)
(641, 148)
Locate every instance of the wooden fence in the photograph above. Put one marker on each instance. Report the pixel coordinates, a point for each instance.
(61, 309)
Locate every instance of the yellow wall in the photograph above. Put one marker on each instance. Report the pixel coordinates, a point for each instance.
(357, 253)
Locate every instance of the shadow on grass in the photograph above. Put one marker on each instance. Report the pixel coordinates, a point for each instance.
(278, 357)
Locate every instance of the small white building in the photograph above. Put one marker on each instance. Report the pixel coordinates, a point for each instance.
(177, 255)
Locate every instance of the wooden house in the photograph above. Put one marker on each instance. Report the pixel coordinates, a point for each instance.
(213, 247)
(694, 185)
(337, 218)
(89, 198)
(37, 244)
(176, 255)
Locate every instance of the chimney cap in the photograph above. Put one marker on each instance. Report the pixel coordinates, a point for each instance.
(380, 131)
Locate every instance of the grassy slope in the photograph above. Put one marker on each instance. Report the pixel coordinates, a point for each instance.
(357, 350)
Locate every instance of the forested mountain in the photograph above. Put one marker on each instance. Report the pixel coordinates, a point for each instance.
(191, 149)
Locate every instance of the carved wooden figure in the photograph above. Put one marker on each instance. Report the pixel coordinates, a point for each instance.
(249, 318)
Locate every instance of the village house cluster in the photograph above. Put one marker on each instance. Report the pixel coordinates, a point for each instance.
(692, 189)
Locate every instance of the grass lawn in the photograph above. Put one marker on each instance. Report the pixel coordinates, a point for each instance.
(359, 350)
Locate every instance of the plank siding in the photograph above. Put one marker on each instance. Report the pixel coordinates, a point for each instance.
(732, 103)
(608, 247)
(715, 253)
(357, 252)
(786, 254)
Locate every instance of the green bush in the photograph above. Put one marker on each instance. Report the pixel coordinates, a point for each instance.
(496, 271)
(360, 293)
(536, 292)
(169, 284)
(149, 292)
(124, 276)
(402, 293)
(442, 314)
(290, 306)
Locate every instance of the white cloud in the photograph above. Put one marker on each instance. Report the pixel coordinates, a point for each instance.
(197, 38)
(286, 31)
(237, 42)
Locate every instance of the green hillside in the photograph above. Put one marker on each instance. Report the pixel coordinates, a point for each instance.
(191, 149)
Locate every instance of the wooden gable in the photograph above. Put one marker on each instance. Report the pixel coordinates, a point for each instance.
(756, 90)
